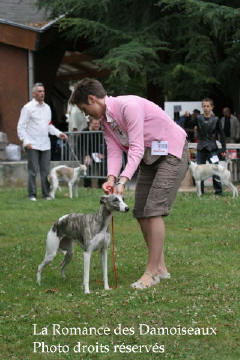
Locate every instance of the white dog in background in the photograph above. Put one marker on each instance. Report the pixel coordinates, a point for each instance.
(67, 174)
(204, 171)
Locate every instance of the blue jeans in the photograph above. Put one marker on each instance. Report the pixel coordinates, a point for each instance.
(202, 157)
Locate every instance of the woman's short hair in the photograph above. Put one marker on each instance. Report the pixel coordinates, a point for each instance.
(84, 88)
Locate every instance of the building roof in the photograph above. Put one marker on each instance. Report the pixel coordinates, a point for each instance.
(22, 12)
(23, 25)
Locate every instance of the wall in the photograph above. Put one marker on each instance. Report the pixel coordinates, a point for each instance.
(184, 106)
(15, 173)
(13, 88)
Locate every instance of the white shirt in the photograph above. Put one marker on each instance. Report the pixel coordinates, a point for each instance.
(76, 119)
(34, 125)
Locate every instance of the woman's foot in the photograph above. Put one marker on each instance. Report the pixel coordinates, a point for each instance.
(146, 281)
(163, 272)
(164, 275)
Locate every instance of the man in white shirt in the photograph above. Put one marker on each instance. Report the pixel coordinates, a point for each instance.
(33, 128)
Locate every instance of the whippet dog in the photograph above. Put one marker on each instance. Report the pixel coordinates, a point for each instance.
(204, 171)
(91, 231)
(69, 175)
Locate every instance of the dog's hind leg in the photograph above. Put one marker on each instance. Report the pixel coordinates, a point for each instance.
(233, 188)
(54, 187)
(104, 268)
(87, 258)
(67, 258)
(226, 180)
(52, 245)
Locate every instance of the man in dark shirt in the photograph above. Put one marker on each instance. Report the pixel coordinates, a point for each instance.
(208, 128)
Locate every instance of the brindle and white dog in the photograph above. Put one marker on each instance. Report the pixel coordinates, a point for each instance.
(68, 174)
(91, 231)
(204, 171)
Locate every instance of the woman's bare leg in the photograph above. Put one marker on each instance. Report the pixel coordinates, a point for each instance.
(153, 230)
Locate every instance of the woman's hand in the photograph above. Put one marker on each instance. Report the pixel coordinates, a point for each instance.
(108, 186)
(119, 189)
(120, 186)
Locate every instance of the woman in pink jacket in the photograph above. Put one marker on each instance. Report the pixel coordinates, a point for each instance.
(156, 144)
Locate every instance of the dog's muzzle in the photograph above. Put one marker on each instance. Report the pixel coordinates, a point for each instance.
(124, 208)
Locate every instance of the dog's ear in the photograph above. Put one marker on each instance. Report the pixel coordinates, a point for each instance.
(103, 199)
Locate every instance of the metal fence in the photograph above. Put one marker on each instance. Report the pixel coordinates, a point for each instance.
(87, 147)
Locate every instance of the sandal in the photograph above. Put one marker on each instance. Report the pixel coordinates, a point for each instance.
(164, 275)
(140, 285)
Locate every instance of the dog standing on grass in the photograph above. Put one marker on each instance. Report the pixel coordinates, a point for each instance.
(204, 171)
(91, 231)
(69, 175)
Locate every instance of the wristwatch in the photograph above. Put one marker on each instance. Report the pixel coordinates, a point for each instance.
(120, 183)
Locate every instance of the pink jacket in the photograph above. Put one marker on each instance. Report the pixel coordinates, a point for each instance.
(142, 121)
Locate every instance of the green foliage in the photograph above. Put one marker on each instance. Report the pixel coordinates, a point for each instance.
(187, 48)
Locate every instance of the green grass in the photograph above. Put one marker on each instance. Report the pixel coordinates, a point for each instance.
(202, 253)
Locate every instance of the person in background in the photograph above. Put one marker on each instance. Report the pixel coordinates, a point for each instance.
(154, 143)
(33, 128)
(94, 152)
(207, 129)
(188, 121)
(230, 125)
(76, 119)
(194, 116)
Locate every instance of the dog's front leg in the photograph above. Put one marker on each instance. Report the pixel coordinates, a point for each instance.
(104, 268)
(87, 258)
(199, 191)
(52, 192)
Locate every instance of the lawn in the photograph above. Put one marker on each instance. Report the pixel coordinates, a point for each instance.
(194, 315)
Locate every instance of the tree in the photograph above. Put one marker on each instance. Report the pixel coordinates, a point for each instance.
(206, 51)
(184, 49)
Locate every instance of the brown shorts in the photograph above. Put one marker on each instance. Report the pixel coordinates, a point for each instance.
(157, 185)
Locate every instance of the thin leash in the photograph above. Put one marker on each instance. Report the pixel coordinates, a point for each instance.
(73, 153)
(110, 191)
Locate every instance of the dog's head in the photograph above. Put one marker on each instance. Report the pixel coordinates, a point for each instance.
(83, 170)
(114, 202)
